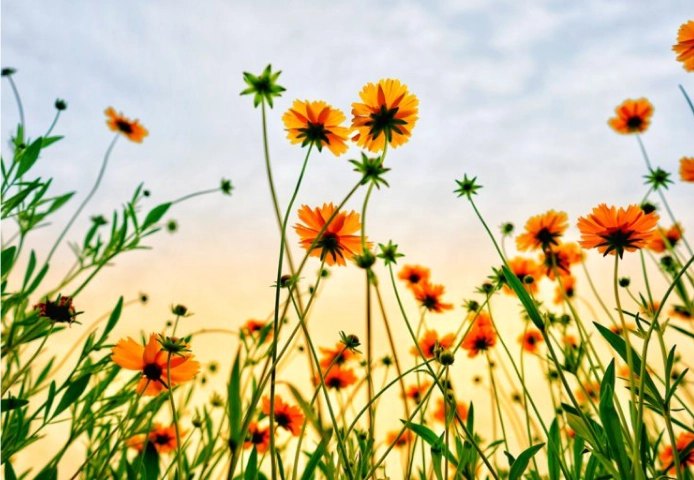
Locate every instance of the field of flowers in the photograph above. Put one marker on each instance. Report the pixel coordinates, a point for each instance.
(597, 385)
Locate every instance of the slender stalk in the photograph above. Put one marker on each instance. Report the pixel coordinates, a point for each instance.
(55, 120)
(19, 104)
(174, 415)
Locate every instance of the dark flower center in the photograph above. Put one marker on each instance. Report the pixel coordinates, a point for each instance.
(530, 340)
(257, 437)
(384, 121)
(314, 133)
(430, 302)
(546, 237)
(152, 371)
(617, 241)
(634, 122)
(330, 244)
(62, 312)
(282, 419)
(124, 126)
(162, 439)
(334, 382)
(481, 343)
(414, 278)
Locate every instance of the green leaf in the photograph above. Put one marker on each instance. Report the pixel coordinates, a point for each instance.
(308, 410)
(72, 393)
(30, 269)
(7, 260)
(235, 405)
(50, 140)
(9, 472)
(611, 424)
(113, 319)
(7, 404)
(522, 461)
(29, 157)
(155, 215)
(251, 472)
(150, 462)
(553, 449)
(431, 438)
(523, 296)
(48, 473)
(50, 398)
(619, 345)
(314, 459)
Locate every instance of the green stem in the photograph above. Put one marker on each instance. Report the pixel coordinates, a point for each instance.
(19, 105)
(174, 415)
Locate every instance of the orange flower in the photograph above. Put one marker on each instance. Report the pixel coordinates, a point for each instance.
(429, 296)
(590, 391)
(650, 309)
(568, 283)
(440, 411)
(685, 45)
(413, 275)
(544, 230)
(633, 116)
(612, 231)
(289, 418)
(339, 378)
(562, 257)
(316, 123)
(151, 361)
(617, 329)
(684, 439)
(430, 341)
(524, 268)
(687, 169)
(479, 339)
(530, 341)
(394, 438)
(415, 392)
(337, 356)
(681, 312)
(338, 242)
(253, 327)
(260, 437)
(570, 341)
(130, 128)
(162, 438)
(666, 238)
(389, 112)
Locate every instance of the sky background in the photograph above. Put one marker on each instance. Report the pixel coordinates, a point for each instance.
(515, 93)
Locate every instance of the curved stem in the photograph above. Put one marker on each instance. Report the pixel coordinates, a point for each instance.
(19, 105)
(55, 120)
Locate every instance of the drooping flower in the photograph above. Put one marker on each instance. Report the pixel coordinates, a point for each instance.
(388, 113)
(338, 242)
(633, 116)
(613, 231)
(685, 45)
(258, 437)
(542, 231)
(151, 360)
(413, 275)
(429, 296)
(666, 239)
(684, 440)
(162, 438)
(530, 341)
(316, 123)
(60, 311)
(524, 269)
(430, 341)
(131, 129)
(288, 417)
(687, 169)
(681, 312)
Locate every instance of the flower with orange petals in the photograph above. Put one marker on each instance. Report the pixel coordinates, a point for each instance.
(544, 230)
(681, 312)
(162, 438)
(524, 268)
(439, 413)
(561, 258)
(685, 45)
(388, 113)
(530, 341)
(570, 341)
(589, 391)
(666, 239)
(153, 364)
(479, 339)
(316, 123)
(566, 287)
(429, 296)
(430, 342)
(414, 275)
(339, 378)
(338, 242)
(130, 128)
(257, 327)
(398, 439)
(633, 116)
(335, 356)
(288, 417)
(684, 441)
(613, 231)
(258, 437)
(687, 169)
(417, 391)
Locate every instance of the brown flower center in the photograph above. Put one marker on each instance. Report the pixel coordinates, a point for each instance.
(634, 122)
(152, 371)
(124, 126)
